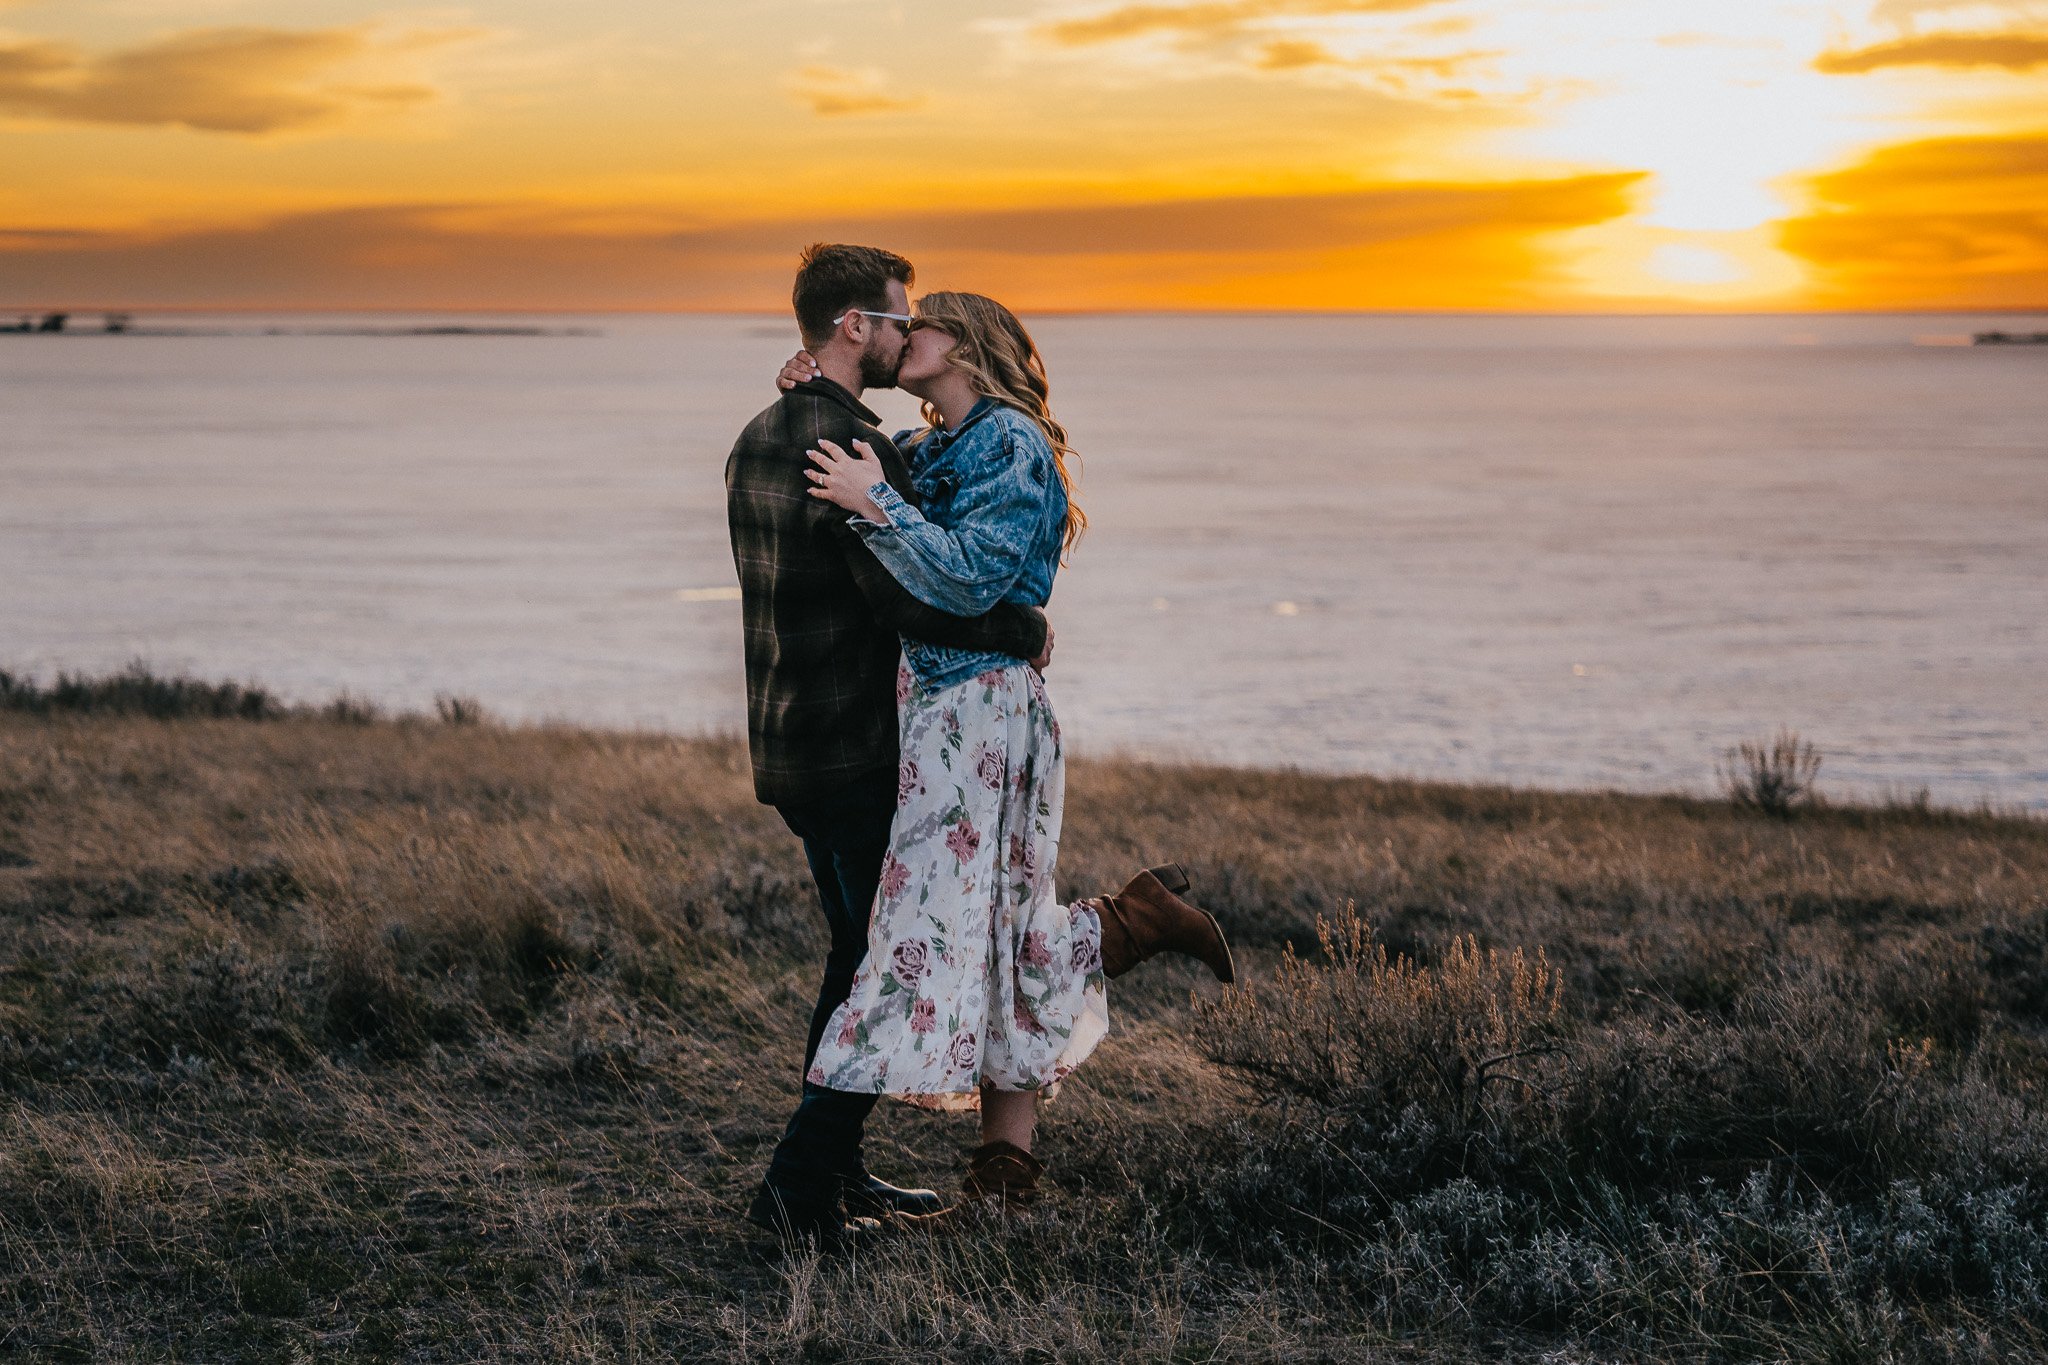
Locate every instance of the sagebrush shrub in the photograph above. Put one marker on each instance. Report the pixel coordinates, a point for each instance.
(138, 690)
(1775, 778)
(455, 710)
(1459, 1149)
(1365, 1027)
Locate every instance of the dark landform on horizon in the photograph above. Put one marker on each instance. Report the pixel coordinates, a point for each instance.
(123, 324)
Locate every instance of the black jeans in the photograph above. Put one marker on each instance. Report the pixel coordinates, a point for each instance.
(845, 834)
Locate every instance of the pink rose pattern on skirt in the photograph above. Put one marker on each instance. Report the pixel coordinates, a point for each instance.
(974, 972)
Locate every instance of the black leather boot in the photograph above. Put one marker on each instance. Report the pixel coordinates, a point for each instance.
(870, 1196)
(798, 1221)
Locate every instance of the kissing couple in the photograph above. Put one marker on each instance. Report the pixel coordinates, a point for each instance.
(892, 591)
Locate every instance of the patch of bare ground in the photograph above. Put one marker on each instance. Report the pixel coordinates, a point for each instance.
(336, 1036)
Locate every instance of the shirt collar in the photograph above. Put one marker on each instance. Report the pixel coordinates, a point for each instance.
(943, 437)
(831, 391)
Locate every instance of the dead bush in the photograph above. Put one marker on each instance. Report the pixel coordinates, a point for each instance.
(1775, 778)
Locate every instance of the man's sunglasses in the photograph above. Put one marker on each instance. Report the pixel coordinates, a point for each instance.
(904, 318)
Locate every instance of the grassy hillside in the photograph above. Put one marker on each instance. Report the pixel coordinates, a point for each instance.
(341, 1037)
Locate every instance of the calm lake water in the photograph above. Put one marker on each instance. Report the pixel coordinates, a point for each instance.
(1545, 551)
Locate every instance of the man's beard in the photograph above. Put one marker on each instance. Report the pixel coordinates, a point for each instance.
(876, 372)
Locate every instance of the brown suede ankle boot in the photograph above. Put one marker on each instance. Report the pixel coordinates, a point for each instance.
(1148, 917)
(1002, 1176)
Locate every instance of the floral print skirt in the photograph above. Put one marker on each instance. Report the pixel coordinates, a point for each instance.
(974, 972)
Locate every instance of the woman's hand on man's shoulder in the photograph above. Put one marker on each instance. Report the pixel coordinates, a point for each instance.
(800, 368)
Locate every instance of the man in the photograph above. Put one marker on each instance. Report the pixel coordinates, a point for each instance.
(823, 621)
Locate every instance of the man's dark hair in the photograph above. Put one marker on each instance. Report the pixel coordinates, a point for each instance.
(831, 278)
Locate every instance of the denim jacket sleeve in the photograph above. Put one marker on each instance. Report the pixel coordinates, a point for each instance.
(966, 569)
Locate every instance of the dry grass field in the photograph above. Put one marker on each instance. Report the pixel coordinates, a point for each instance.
(333, 1036)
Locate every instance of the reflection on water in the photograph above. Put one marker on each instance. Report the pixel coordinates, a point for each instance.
(1544, 551)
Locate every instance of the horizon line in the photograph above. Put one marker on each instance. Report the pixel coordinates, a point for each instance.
(1655, 311)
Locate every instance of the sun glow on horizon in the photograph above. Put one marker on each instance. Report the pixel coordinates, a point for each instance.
(1719, 119)
(1695, 265)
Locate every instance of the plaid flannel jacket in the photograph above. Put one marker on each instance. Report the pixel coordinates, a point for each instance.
(823, 617)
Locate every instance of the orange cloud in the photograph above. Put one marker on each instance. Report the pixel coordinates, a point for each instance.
(833, 92)
(224, 80)
(1235, 32)
(1215, 19)
(1946, 222)
(2013, 51)
(1296, 54)
(2005, 171)
(1276, 223)
(1463, 245)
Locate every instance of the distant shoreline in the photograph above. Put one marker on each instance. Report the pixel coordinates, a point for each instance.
(781, 314)
(130, 330)
(121, 322)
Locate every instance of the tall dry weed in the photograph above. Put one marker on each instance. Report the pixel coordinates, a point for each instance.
(1776, 778)
(1366, 1027)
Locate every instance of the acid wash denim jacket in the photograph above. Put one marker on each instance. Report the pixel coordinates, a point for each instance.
(995, 515)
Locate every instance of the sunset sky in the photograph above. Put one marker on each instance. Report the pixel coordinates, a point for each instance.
(1488, 154)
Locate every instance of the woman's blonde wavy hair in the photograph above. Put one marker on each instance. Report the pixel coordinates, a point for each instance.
(999, 356)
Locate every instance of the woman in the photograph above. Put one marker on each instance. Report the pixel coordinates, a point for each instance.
(979, 990)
